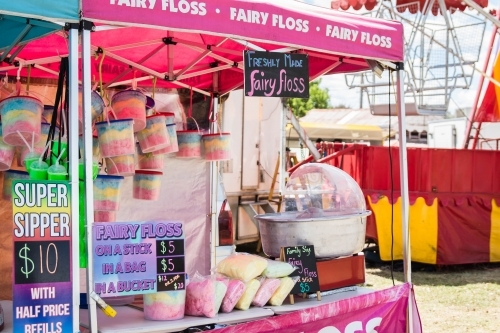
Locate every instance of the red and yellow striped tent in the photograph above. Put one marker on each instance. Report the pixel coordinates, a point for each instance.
(454, 198)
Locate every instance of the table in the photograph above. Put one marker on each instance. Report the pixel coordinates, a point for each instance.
(131, 320)
(305, 303)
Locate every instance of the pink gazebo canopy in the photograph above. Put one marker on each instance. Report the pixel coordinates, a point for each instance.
(200, 45)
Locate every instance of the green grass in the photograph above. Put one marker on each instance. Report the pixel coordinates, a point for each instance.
(457, 299)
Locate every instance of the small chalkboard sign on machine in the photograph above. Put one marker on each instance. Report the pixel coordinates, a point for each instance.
(302, 257)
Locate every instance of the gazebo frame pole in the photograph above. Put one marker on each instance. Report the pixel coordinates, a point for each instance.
(89, 183)
(73, 171)
(403, 166)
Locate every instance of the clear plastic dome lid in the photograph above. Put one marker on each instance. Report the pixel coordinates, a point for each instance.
(317, 190)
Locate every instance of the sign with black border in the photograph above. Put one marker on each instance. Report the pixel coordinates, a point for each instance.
(274, 74)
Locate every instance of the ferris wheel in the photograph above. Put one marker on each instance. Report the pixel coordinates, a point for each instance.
(443, 40)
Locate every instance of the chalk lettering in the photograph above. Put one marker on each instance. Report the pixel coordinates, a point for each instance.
(289, 62)
(294, 250)
(297, 263)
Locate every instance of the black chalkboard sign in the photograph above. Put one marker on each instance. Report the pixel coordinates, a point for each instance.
(170, 265)
(303, 257)
(42, 262)
(273, 74)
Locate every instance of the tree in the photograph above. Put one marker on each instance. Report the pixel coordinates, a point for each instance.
(318, 99)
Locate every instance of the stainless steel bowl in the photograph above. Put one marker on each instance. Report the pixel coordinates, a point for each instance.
(332, 235)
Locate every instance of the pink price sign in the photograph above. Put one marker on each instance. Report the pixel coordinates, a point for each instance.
(133, 258)
(382, 311)
(290, 23)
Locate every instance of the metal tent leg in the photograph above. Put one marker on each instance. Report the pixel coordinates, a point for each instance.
(89, 184)
(403, 165)
(73, 172)
(214, 189)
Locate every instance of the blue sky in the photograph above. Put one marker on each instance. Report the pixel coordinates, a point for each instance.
(341, 94)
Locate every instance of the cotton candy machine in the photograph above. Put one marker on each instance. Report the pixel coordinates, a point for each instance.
(323, 206)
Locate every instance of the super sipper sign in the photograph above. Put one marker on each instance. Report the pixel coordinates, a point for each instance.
(32, 223)
(42, 257)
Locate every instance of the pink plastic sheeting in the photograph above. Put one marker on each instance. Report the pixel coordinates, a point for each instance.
(144, 49)
(289, 23)
(197, 46)
(383, 311)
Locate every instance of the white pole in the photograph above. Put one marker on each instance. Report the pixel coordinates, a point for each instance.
(214, 189)
(73, 173)
(283, 146)
(89, 183)
(405, 204)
